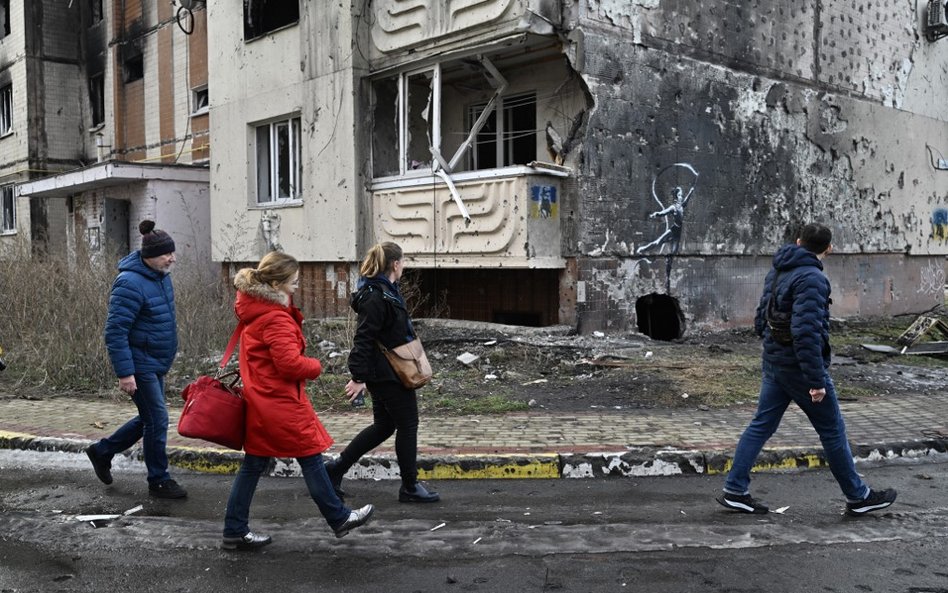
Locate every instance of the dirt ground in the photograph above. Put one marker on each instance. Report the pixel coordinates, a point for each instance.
(520, 368)
(511, 368)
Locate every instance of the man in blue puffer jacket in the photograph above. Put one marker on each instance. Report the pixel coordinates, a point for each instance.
(794, 369)
(142, 339)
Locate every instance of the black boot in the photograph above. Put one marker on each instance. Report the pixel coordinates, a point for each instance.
(416, 493)
(335, 478)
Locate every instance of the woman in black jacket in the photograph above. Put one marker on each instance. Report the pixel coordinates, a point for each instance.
(383, 319)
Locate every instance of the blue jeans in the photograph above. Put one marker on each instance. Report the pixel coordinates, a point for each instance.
(779, 387)
(236, 519)
(151, 426)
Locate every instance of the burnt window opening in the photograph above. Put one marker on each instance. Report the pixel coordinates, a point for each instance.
(95, 12)
(134, 68)
(4, 18)
(6, 110)
(97, 98)
(514, 143)
(659, 317)
(263, 16)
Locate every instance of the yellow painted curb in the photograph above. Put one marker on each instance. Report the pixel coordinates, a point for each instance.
(15, 435)
(809, 461)
(477, 467)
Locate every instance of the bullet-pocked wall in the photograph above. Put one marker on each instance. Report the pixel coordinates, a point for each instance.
(719, 128)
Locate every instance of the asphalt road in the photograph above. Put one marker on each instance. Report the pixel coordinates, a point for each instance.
(652, 534)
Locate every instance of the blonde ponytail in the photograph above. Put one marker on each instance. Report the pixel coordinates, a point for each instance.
(380, 259)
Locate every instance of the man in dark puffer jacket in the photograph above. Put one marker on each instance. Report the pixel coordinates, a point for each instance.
(142, 340)
(795, 370)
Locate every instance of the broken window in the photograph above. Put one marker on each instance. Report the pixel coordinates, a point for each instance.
(514, 141)
(407, 117)
(97, 98)
(95, 11)
(8, 199)
(264, 16)
(279, 161)
(4, 18)
(199, 100)
(6, 110)
(134, 68)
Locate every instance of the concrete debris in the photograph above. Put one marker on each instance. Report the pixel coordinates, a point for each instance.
(684, 396)
(467, 359)
(490, 343)
(781, 510)
(648, 354)
(599, 334)
(92, 518)
(133, 510)
(911, 339)
(532, 403)
(490, 377)
(477, 540)
(437, 527)
(535, 382)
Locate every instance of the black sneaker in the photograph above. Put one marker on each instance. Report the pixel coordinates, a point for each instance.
(357, 518)
(877, 499)
(743, 503)
(167, 489)
(250, 541)
(101, 465)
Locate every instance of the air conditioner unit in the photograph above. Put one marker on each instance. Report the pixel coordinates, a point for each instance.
(936, 25)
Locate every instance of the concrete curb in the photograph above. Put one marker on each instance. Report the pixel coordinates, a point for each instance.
(637, 462)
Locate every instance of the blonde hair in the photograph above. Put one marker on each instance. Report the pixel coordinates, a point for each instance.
(380, 259)
(274, 269)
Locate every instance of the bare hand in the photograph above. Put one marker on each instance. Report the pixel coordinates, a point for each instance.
(128, 385)
(817, 395)
(354, 388)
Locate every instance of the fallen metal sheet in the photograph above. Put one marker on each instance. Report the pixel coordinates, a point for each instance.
(881, 348)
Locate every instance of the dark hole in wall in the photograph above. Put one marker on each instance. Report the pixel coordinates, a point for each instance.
(659, 317)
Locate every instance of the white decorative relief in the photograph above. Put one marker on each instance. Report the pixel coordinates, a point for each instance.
(403, 23)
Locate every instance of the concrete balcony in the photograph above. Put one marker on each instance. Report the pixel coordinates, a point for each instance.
(514, 219)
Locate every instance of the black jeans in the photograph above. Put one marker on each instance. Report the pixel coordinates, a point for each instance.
(394, 410)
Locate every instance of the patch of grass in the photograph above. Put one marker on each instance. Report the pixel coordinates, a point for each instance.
(716, 381)
(844, 392)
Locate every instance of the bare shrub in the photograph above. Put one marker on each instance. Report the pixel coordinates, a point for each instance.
(53, 318)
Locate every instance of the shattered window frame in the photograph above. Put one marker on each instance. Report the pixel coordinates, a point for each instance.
(200, 100)
(8, 207)
(500, 132)
(6, 110)
(279, 163)
(414, 158)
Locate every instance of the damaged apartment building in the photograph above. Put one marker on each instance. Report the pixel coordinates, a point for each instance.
(103, 122)
(610, 165)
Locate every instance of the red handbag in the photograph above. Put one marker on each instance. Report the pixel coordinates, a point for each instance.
(214, 409)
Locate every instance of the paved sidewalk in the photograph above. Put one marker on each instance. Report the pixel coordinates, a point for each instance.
(534, 444)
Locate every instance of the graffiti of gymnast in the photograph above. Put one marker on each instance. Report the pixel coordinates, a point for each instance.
(675, 216)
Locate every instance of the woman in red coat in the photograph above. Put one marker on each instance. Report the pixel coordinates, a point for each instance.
(281, 421)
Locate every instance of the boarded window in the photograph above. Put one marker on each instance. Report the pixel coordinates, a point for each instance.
(264, 16)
